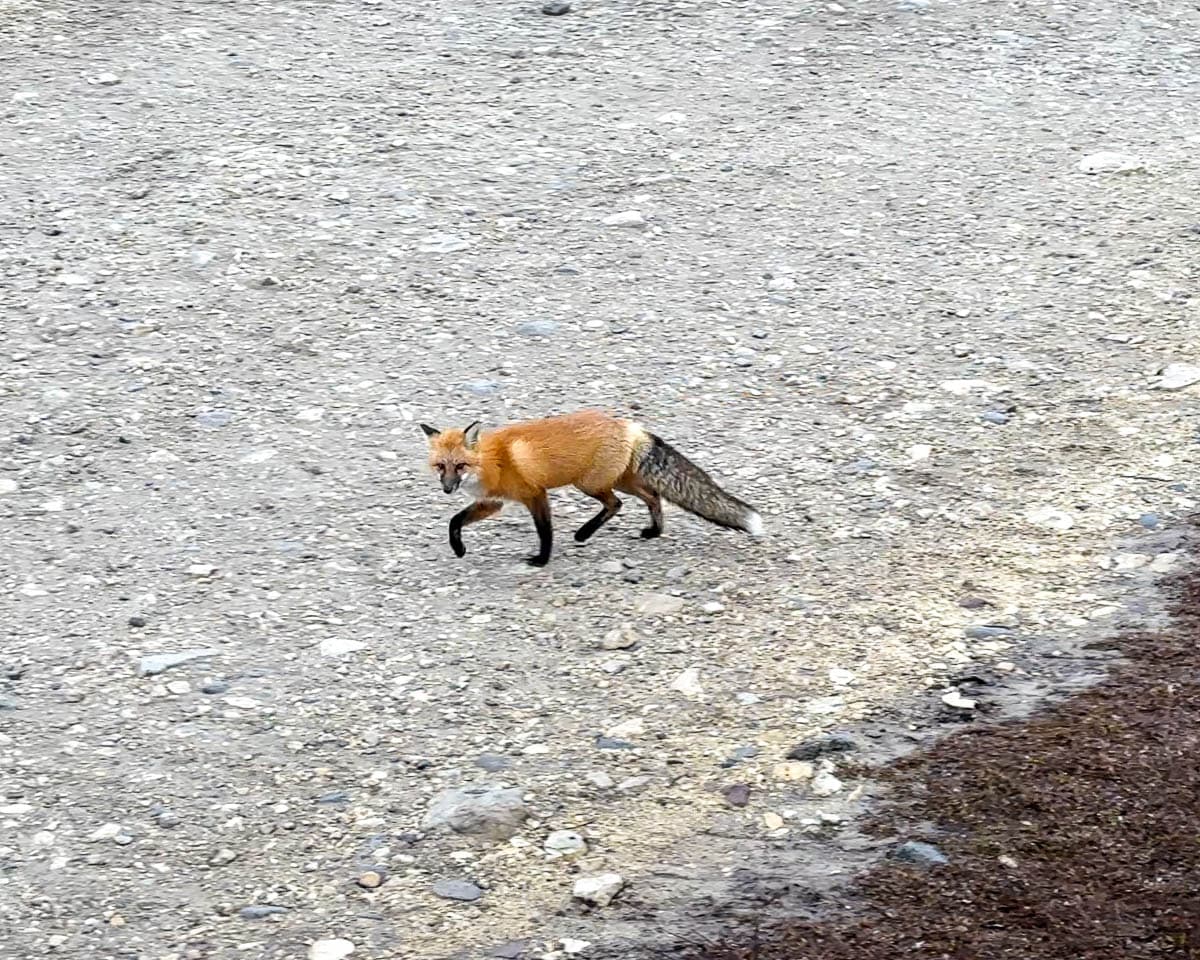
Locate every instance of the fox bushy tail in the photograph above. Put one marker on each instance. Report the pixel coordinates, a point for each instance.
(675, 478)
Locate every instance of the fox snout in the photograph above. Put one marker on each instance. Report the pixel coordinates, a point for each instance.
(450, 482)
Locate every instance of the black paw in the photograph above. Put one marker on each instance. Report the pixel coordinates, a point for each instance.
(581, 536)
(537, 560)
(459, 550)
(651, 533)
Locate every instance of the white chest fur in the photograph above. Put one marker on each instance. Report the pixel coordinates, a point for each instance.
(471, 486)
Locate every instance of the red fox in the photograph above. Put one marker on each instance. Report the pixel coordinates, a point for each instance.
(591, 451)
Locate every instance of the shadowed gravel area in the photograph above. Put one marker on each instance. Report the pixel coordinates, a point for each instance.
(1073, 834)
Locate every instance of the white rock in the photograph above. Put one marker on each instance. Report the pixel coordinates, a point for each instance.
(713, 606)
(598, 889)
(1130, 561)
(179, 687)
(1177, 376)
(627, 218)
(74, 280)
(488, 811)
(620, 638)
(824, 785)
(660, 605)
(919, 451)
(824, 705)
(201, 570)
(339, 646)
(573, 946)
(958, 701)
(16, 809)
(258, 456)
(673, 117)
(964, 388)
(1111, 162)
(7, 486)
(1166, 562)
(781, 283)
(242, 703)
(311, 415)
(33, 590)
(54, 505)
(629, 728)
(600, 780)
(1050, 517)
(105, 80)
(840, 676)
(443, 243)
(330, 949)
(688, 683)
(565, 843)
(106, 832)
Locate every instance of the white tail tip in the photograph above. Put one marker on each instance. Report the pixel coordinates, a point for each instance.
(754, 525)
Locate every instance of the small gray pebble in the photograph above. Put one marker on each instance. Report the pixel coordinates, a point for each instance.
(214, 418)
(157, 663)
(914, 851)
(1149, 521)
(258, 911)
(740, 754)
(482, 388)
(556, 8)
(737, 794)
(456, 890)
(333, 797)
(215, 687)
(510, 950)
(611, 743)
(987, 632)
(537, 328)
(493, 762)
(995, 416)
(822, 746)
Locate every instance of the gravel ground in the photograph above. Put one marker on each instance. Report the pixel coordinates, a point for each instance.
(246, 247)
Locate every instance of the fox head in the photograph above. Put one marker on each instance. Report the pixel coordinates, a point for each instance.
(452, 453)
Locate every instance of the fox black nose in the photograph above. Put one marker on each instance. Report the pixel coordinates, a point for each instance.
(450, 484)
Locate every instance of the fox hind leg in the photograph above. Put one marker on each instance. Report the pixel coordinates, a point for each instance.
(612, 506)
(633, 485)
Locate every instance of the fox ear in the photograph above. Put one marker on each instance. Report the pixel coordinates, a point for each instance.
(471, 435)
(429, 431)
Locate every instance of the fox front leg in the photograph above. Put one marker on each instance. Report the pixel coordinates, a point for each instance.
(540, 508)
(479, 510)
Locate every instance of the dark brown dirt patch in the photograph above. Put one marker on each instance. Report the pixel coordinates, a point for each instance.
(1074, 834)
